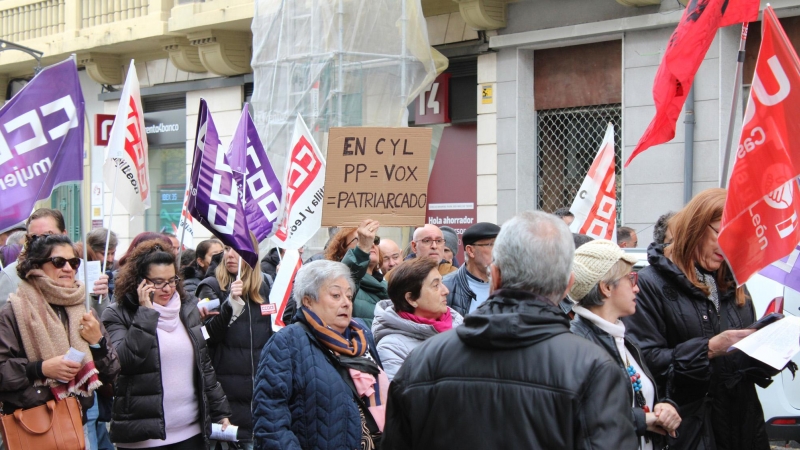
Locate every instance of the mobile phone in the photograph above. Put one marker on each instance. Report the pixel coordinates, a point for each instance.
(766, 320)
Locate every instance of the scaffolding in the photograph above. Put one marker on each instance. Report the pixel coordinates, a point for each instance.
(336, 63)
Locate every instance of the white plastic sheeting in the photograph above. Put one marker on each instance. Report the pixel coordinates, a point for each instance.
(336, 63)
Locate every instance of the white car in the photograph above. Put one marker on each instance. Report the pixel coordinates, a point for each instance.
(781, 399)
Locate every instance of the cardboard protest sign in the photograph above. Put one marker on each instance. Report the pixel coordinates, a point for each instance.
(377, 173)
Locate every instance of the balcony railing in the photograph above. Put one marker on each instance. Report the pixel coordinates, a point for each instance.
(99, 12)
(25, 19)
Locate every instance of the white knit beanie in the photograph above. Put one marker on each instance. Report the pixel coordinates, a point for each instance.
(593, 260)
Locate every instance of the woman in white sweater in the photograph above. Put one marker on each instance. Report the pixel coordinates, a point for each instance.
(417, 310)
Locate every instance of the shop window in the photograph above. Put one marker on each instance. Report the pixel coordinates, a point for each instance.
(568, 140)
(167, 183)
(67, 199)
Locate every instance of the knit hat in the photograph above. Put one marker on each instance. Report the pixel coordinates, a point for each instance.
(479, 231)
(450, 239)
(592, 262)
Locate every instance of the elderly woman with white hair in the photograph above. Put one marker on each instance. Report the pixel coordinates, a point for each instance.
(320, 383)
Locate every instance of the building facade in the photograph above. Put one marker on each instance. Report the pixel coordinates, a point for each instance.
(532, 83)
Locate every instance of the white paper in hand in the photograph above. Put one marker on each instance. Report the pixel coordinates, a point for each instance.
(228, 435)
(73, 355)
(774, 344)
(93, 269)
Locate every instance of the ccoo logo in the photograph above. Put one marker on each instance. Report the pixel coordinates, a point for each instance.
(781, 198)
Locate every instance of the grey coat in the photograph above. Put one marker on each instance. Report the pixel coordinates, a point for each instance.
(395, 336)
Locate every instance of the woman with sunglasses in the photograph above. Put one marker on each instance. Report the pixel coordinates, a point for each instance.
(41, 321)
(167, 395)
(237, 331)
(605, 289)
(362, 255)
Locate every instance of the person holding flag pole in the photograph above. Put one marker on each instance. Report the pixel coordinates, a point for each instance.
(241, 326)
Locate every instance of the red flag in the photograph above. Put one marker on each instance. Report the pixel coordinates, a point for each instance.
(685, 51)
(760, 220)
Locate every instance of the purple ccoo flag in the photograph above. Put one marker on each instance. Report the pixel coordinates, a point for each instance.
(262, 194)
(785, 271)
(216, 196)
(41, 141)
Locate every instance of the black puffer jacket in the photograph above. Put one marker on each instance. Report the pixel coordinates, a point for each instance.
(586, 329)
(192, 276)
(269, 265)
(235, 351)
(138, 412)
(673, 323)
(538, 385)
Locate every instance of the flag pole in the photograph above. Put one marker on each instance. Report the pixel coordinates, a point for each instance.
(85, 257)
(183, 228)
(737, 81)
(110, 218)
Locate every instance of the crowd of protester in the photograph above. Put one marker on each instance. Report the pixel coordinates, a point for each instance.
(539, 338)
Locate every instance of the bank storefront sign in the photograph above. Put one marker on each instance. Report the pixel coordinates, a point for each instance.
(165, 127)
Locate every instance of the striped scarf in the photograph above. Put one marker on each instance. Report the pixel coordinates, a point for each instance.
(335, 341)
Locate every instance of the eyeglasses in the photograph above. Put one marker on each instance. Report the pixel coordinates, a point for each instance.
(60, 262)
(715, 230)
(428, 241)
(172, 282)
(634, 277)
(355, 239)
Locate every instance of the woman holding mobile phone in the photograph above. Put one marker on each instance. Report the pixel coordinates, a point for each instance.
(157, 332)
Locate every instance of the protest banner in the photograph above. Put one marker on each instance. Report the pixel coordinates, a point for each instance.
(41, 141)
(262, 193)
(281, 293)
(126, 158)
(761, 219)
(304, 187)
(216, 198)
(685, 51)
(595, 206)
(377, 173)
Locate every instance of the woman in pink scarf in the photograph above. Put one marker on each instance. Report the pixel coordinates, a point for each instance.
(417, 311)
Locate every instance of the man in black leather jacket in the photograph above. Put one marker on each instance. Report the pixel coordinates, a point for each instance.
(513, 376)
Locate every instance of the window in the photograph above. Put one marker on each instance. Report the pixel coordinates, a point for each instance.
(568, 140)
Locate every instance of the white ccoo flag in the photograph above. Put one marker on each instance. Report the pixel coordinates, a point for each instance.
(126, 157)
(595, 206)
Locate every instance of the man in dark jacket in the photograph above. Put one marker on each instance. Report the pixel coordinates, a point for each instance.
(538, 385)
(270, 263)
(469, 286)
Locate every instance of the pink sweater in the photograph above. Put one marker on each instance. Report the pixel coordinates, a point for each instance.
(181, 403)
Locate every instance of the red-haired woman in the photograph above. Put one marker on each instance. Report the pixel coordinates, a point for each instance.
(689, 312)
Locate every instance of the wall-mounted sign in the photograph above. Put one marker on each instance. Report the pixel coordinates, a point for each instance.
(433, 104)
(162, 127)
(102, 128)
(486, 94)
(165, 127)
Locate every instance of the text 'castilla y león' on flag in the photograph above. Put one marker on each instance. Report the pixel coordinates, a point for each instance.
(760, 219)
(126, 169)
(216, 196)
(595, 206)
(304, 188)
(41, 141)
